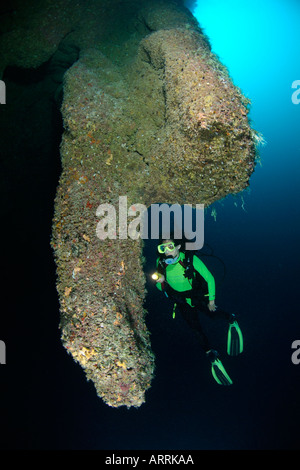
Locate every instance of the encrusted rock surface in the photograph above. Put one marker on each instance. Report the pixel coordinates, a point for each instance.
(149, 113)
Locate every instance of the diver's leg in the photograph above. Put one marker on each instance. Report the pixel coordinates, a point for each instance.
(219, 373)
(218, 313)
(201, 303)
(222, 314)
(190, 315)
(235, 340)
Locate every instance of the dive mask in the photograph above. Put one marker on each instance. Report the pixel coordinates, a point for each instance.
(162, 248)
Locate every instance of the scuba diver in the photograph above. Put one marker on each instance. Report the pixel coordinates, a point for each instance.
(185, 279)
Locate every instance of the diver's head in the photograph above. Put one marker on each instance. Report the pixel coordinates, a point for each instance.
(169, 250)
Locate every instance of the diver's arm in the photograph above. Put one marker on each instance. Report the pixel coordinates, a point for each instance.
(159, 282)
(161, 278)
(208, 277)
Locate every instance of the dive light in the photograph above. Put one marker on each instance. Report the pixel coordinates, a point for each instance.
(156, 276)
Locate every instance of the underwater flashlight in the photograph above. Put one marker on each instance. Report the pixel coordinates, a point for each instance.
(156, 276)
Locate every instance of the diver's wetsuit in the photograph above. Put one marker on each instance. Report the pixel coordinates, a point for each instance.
(191, 297)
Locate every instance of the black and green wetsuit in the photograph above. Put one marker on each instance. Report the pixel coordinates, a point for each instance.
(176, 280)
(191, 295)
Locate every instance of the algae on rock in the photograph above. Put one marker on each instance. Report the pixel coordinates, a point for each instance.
(149, 113)
(162, 124)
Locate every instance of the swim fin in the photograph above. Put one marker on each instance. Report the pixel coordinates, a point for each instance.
(219, 373)
(217, 369)
(235, 341)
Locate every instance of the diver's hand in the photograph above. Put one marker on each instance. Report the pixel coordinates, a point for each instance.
(211, 306)
(161, 279)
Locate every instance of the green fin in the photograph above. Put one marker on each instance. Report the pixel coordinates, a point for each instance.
(219, 373)
(235, 341)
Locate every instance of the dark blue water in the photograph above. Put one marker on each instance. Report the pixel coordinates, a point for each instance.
(46, 401)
